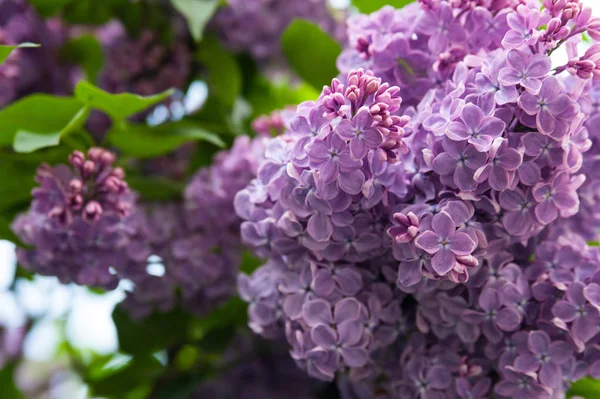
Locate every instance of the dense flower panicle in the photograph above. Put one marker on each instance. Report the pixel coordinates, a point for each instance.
(195, 244)
(30, 70)
(441, 195)
(80, 220)
(256, 26)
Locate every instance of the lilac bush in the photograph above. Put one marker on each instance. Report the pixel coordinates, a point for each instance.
(428, 224)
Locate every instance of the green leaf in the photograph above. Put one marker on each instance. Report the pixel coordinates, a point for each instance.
(138, 371)
(232, 314)
(156, 332)
(317, 66)
(266, 96)
(197, 13)
(224, 76)
(17, 182)
(38, 113)
(6, 232)
(87, 52)
(90, 12)
(369, 6)
(49, 8)
(144, 141)
(26, 141)
(7, 383)
(155, 188)
(118, 106)
(181, 387)
(587, 388)
(6, 50)
(250, 262)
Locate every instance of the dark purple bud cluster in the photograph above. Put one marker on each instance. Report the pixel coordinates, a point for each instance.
(80, 220)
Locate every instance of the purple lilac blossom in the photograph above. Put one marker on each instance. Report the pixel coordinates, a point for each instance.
(80, 222)
(493, 175)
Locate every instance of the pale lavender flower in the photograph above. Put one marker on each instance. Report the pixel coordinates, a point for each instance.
(476, 128)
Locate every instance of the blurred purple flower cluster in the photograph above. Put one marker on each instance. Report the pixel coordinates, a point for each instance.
(80, 221)
(256, 26)
(197, 241)
(145, 64)
(30, 70)
(423, 220)
(87, 228)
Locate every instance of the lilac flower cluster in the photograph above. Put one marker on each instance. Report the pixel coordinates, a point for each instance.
(196, 241)
(256, 26)
(80, 221)
(86, 227)
(30, 70)
(453, 218)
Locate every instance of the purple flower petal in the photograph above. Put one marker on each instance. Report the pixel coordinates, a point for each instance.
(346, 309)
(354, 357)
(324, 336)
(527, 363)
(461, 244)
(350, 332)
(443, 261)
(443, 225)
(317, 312)
(428, 242)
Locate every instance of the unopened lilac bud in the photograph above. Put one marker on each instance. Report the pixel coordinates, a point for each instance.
(468, 260)
(353, 93)
(407, 227)
(123, 208)
(60, 215)
(75, 186)
(95, 153)
(113, 184)
(107, 158)
(75, 201)
(585, 69)
(77, 159)
(89, 168)
(569, 12)
(372, 86)
(92, 211)
(119, 173)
